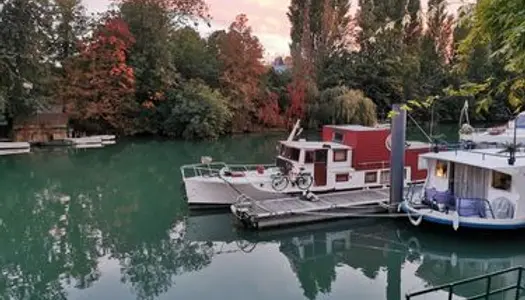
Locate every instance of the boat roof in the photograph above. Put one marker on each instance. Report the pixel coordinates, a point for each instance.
(380, 127)
(313, 145)
(418, 145)
(483, 158)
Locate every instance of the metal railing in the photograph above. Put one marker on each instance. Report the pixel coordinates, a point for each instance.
(488, 289)
(213, 169)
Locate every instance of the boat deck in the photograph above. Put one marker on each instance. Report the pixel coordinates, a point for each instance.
(296, 210)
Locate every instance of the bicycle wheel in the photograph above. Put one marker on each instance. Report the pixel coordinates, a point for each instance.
(280, 183)
(304, 181)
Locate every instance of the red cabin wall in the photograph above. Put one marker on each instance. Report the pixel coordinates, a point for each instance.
(411, 160)
(369, 150)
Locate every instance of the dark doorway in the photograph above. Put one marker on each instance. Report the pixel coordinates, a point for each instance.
(321, 158)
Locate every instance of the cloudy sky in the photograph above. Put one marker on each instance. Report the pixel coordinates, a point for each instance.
(267, 18)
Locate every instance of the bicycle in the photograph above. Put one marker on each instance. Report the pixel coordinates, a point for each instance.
(302, 179)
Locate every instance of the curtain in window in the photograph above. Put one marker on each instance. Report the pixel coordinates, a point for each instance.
(470, 182)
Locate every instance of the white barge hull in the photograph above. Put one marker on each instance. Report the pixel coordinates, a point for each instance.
(215, 191)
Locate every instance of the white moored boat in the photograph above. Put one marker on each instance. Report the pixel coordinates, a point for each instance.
(481, 189)
(95, 141)
(7, 148)
(348, 157)
(493, 136)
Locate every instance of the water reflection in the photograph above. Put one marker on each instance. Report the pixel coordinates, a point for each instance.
(74, 223)
(372, 247)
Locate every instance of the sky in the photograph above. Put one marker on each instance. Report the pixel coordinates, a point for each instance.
(267, 18)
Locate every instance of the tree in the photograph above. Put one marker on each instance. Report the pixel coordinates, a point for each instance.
(499, 25)
(72, 26)
(195, 112)
(25, 28)
(99, 85)
(240, 55)
(340, 105)
(269, 112)
(193, 57)
(319, 30)
(151, 22)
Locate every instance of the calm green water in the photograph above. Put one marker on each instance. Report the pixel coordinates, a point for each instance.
(126, 233)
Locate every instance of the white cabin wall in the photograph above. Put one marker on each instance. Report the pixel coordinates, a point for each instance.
(342, 167)
(439, 183)
(519, 192)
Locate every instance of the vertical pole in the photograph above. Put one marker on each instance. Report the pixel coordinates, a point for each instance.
(512, 154)
(397, 155)
(518, 284)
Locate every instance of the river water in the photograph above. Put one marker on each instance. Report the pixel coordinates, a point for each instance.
(111, 223)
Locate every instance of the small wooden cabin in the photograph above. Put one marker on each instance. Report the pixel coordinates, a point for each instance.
(41, 127)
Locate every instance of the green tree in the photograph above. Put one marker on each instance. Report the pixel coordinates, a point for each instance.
(195, 112)
(25, 30)
(499, 25)
(72, 25)
(152, 22)
(193, 57)
(340, 105)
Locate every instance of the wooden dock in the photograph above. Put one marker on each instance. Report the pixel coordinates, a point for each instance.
(259, 214)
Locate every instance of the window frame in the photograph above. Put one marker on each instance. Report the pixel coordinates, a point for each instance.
(370, 173)
(340, 150)
(345, 175)
(505, 176)
(443, 163)
(335, 140)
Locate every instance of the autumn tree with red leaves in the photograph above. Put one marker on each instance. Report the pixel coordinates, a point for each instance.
(240, 55)
(99, 86)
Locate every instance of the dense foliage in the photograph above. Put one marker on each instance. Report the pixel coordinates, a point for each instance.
(143, 68)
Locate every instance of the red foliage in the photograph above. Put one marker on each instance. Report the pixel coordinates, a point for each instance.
(240, 54)
(446, 39)
(99, 85)
(297, 92)
(269, 111)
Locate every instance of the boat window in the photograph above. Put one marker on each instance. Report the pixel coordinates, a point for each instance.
(320, 156)
(337, 137)
(385, 177)
(340, 155)
(293, 154)
(290, 153)
(501, 181)
(441, 169)
(309, 157)
(520, 121)
(371, 177)
(341, 177)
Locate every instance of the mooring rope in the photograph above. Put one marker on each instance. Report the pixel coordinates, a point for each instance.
(328, 214)
(419, 127)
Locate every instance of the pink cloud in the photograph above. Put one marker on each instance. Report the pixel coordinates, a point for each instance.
(266, 17)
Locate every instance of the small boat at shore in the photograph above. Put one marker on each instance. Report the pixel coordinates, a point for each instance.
(96, 141)
(348, 157)
(7, 148)
(479, 189)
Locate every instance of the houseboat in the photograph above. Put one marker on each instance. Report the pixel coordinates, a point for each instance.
(480, 189)
(348, 157)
